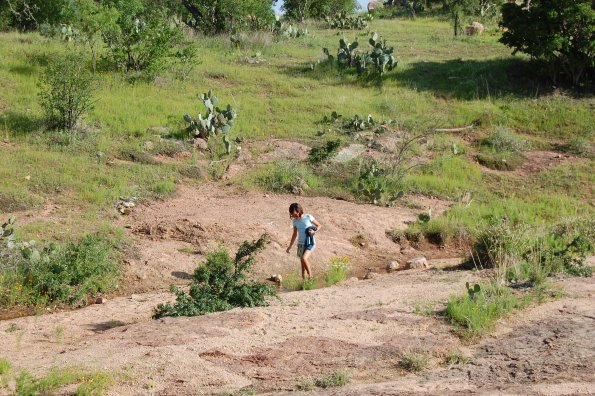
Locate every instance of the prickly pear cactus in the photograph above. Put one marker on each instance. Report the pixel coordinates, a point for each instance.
(216, 121)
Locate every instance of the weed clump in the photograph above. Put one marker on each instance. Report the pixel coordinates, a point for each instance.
(337, 271)
(220, 284)
(415, 361)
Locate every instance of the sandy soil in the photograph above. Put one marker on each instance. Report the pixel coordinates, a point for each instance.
(173, 236)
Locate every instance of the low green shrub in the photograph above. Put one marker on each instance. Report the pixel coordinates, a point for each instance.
(324, 152)
(502, 139)
(56, 274)
(455, 356)
(220, 284)
(579, 145)
(337, 270)
(476, 313)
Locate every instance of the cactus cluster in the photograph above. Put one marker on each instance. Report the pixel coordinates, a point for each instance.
(343, 21)
(216, 121)
(9, 246)
(289, 31)
(374, 63)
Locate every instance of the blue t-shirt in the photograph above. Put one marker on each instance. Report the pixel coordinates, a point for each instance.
(301, 224)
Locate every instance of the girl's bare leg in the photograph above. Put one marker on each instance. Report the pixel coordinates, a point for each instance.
(306, 264)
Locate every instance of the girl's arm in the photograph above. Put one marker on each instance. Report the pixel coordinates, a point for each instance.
(293, 236)
(317, 224)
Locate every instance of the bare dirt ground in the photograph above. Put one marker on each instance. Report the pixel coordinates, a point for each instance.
(360, 327)
(173, 236)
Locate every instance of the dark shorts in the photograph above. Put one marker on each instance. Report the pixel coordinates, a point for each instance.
(302, 248)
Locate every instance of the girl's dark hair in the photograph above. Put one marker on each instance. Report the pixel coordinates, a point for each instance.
(296, 208)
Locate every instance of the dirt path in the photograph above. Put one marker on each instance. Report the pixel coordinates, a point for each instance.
(173, 236)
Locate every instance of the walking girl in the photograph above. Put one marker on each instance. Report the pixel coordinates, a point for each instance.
(304, 228)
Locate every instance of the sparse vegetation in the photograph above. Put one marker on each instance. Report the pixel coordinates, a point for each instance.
(415, 361)
(88, 383)
(221, 283)
(337, 271)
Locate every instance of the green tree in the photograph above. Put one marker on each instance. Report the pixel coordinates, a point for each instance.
(66, 91)
(302, 9)
(213, 17)
(142, 39)
(27, 15)
(91, 18)
(560, 32)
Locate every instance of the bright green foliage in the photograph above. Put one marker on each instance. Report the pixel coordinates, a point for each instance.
(30, 14)
(66, 91)
(337, 271)
(475, 315)
(214, 17)
(560, 32)
(324, 152)
(343, 21)
(220, 284)
(32, 275)
(215, 122)
(379, 183)
(302, 9)
(94, 383)
(142, 39)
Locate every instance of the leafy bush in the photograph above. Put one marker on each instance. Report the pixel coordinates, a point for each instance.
(337, 270)
(302, 9)
(220, 284)
(142, 39)
(521, 253)
(324, 152)
(54, 274)
(66, 91)
(559, 32)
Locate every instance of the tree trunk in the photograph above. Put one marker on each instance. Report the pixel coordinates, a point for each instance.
(456, 23)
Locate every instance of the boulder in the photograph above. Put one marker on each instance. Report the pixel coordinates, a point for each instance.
(392, 266)
(474, 28)
(417, 263)
(375, 5)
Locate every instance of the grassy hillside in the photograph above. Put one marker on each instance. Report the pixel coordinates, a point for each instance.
(440, 82)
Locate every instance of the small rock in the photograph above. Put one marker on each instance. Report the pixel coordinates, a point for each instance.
(392, 266)
(417, 263)
(276, 278)
(200, 144)
(101, 300)
(28, 177)
(148, 145)
(297, 190)
(407, 249)
(370, 275)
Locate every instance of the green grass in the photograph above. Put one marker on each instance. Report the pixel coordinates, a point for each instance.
(337, 271)
(441, 81)
(332, 380)
(475, 316)
(88, 383)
